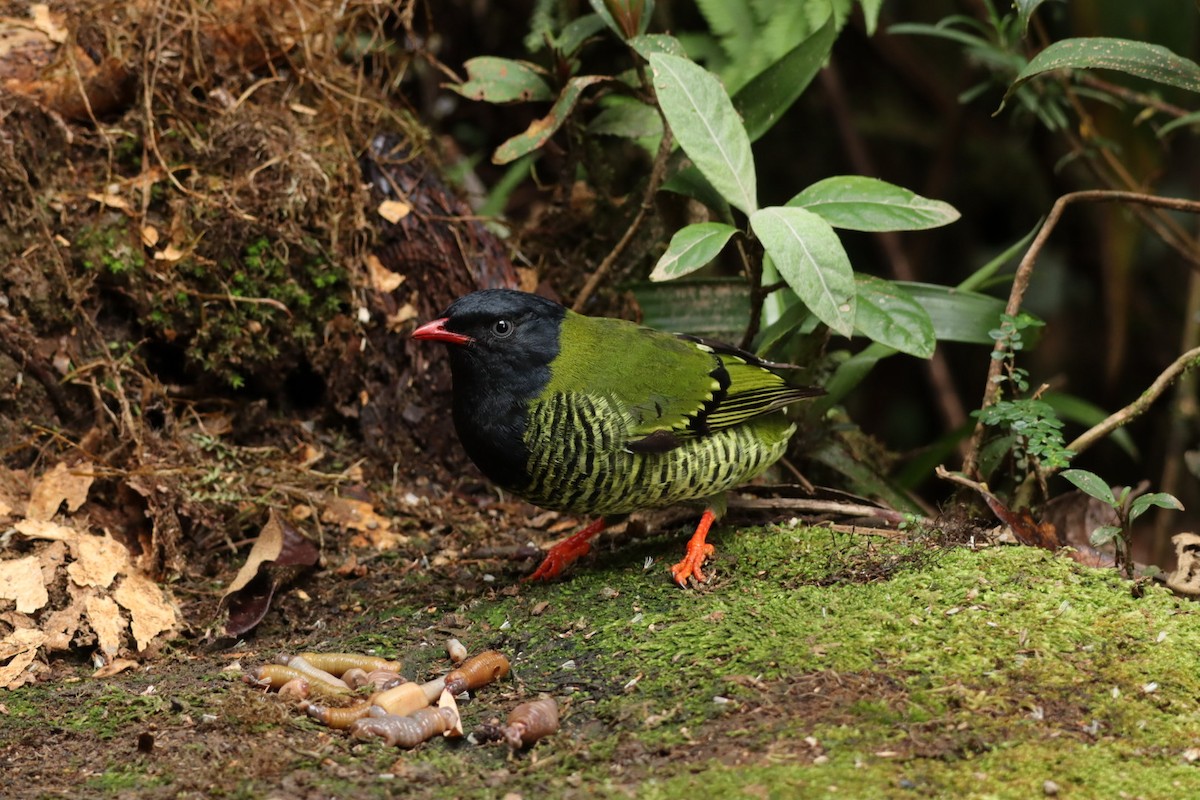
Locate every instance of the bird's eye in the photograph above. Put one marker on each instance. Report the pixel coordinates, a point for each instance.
(503, 328)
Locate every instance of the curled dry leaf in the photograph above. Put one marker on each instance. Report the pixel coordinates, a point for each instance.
(278, 555)
(382, 279)
(1185, 579)
(98, 560)
(106, 621)
(21, 580)
(114, 667)
(19, 649)
(148, 607)
(394, 210)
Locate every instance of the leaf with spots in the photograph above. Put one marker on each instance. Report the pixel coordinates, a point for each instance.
(540, 130)
(502, 80)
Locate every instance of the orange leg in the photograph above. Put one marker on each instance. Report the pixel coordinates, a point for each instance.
(566, 551)
(697, 551)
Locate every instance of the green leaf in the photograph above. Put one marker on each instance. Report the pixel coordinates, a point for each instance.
(1187, 119)
(810, 257)
(762, 101)
(576, 32)
(1092, 484)
(1150, 61)
(957, 316)
(1145, 502)
(540, 130)
(649, 43)
(716, 308)
(1104, 534)
(1025, 9)
(502, 80)
(981, 276)
(858, 203)
(940, 31)
(624, 116)
(691, 248)
(887, 314)
(870, 10)
(707, 128)
(850, 373)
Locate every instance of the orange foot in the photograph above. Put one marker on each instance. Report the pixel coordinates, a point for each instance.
(565, 552)
(697, 551)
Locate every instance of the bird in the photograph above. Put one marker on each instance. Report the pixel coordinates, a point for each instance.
(603, 417)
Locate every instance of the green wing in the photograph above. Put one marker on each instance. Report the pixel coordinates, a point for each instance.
(671, 387)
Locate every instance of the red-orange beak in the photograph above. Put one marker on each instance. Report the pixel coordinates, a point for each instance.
(436, 331)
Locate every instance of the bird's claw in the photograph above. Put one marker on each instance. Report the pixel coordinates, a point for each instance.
(556, 560)
(689, 567)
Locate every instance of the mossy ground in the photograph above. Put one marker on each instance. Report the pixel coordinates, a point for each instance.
(813, 664)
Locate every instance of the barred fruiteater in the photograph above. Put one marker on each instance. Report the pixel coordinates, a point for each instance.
(603, 417)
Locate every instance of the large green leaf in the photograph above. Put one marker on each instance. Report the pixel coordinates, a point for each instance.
(502, 80)
(859, 203)
(887, 314)
(810, 257)
(649, 43)
(540, 130)
(706, 127)
(1143, 503)
(762, 101)
(957, 316)
(691, 248)
(1150, 61)
(1091, 483)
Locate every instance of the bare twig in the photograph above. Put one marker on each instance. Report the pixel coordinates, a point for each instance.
(1188, 361)
(1025, 272)
(656, 177)
(817, 507)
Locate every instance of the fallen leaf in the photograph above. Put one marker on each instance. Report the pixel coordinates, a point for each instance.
(114, 667)
(382, 278)
(351, 514)
(63, 483)
(403, 314)
(61, 626)
(149, 235)
(393, 210)
(105, 618)
(21, 580)
(98, 559)
(44, 529)
(109, 200)
(19, 648)
(148, 608)
(47, 23)
(170, 253)
(279, 554)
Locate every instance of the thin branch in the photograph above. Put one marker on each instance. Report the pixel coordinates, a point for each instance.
(1025, 273)
(657, 172)
(1188, 361)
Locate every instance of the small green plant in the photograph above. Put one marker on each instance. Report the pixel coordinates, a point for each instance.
(1127, 507)
(1032, 429)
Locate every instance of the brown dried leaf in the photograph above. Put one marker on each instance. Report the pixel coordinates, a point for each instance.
(148, 607)
(19, 648)
(44, 529)
(279, 553)
(394, 210)
(114, 667)
(60, 484)
(47, 23)
(382, 279)
(61, 626)
(107, 623)
(98, 560)
(350, 514)
(403, 314)
(21, 580)
(1185, 578)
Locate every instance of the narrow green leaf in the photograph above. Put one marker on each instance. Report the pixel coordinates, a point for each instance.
(540, 130)
(810, 257)
(691, 248)
(859, 203)
(502, 80)
(1103, 535)
(649, 43)
(957, 316)
(887, 314)
(1140, 59)
(940, 31)
(716, 308)
(870, 10)
(762, 101)
(981, 276)
(707, 128)
(1092, 484)
(1187, 119)
(626, 117)
(1145, 502)
(576, 32)
(1025, 9)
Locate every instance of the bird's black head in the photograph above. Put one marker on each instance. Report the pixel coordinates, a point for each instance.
(498, 334)
(501, 345)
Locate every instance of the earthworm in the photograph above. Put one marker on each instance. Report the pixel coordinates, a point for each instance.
(355, 677)
(400, 700)
(302, 664)
(274, 676)
(384, 679)
(477, 671)
(456, 650)
(531, 721)
(338, 663)
(294, 690)
(408, 730)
